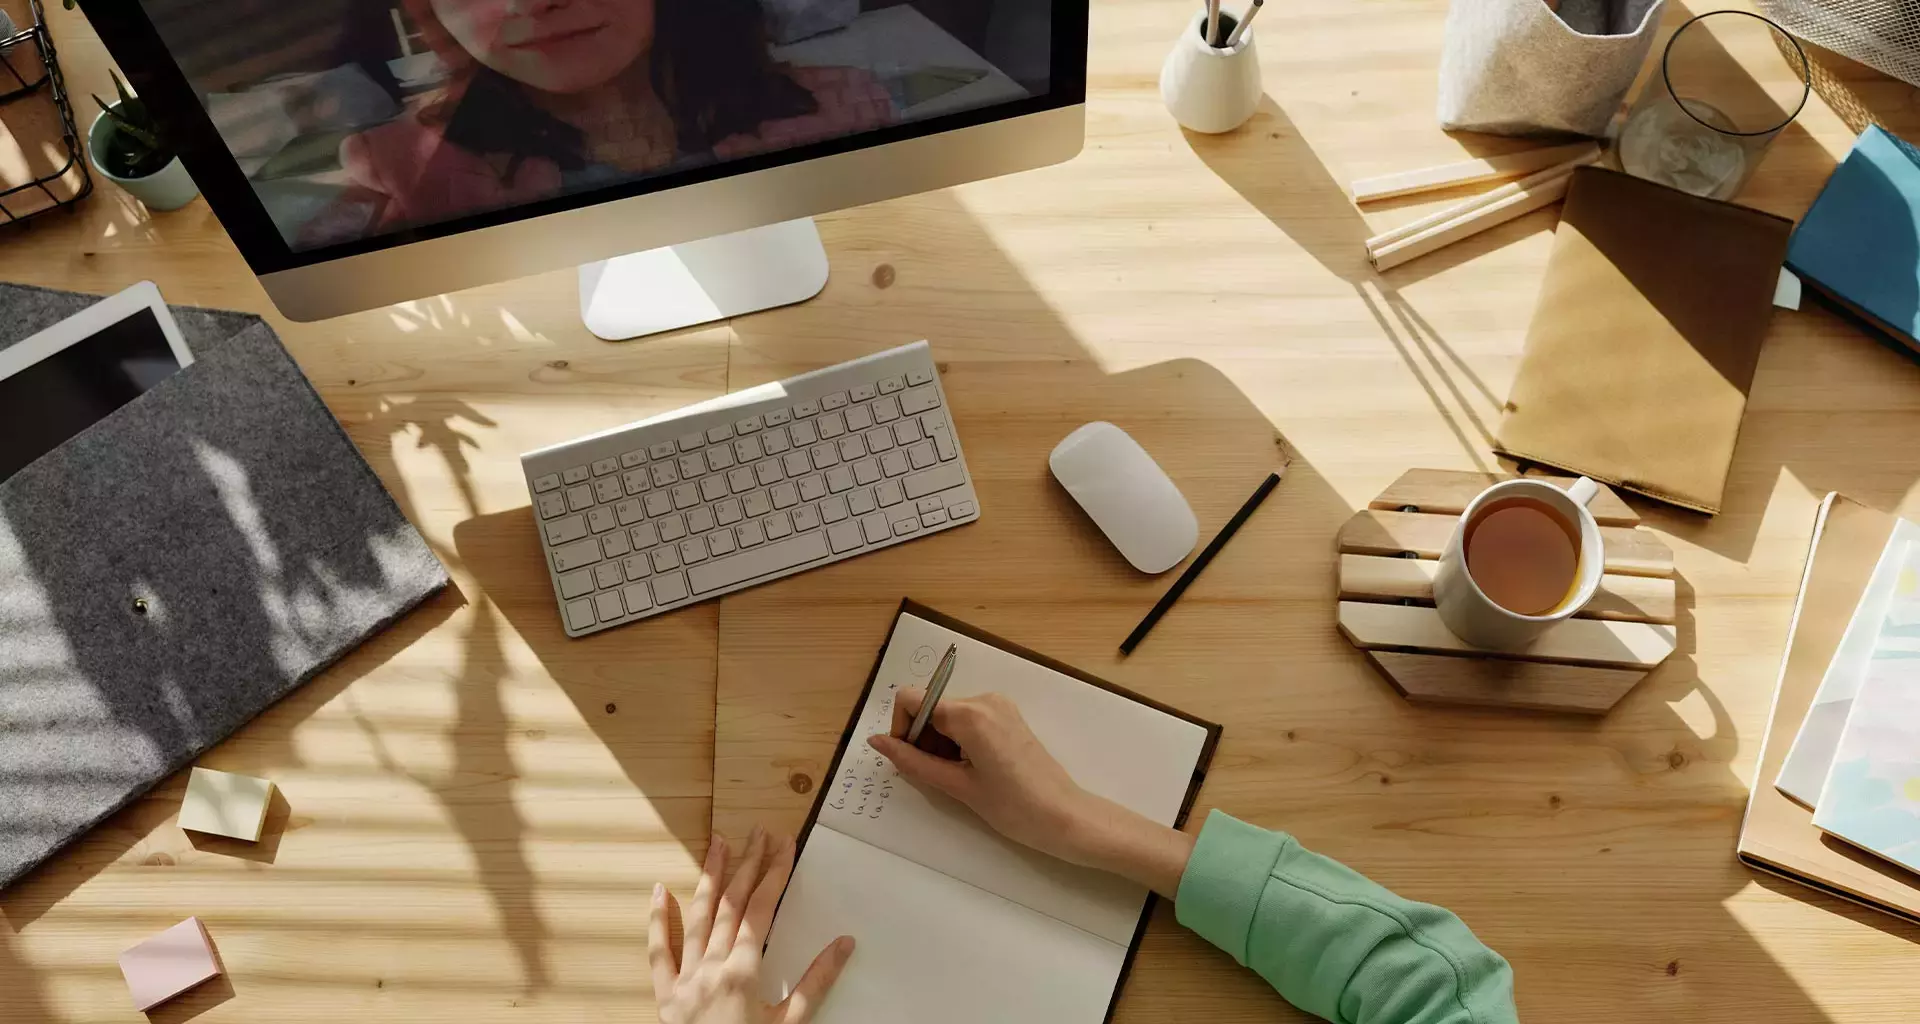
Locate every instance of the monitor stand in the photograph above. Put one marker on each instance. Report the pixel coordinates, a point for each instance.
(699, 282)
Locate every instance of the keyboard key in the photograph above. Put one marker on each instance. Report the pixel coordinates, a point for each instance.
(664, 475)
(576, 475)
(740, 481)
(720, 542)
(746, 426)
(859, 418)
(719, 457)
(727, 512)
(713, 488)
(886, 410)
(834, 509)
(756, 504)
(844, 537)
(891, 384)
(692, 442)
(693, 550)
(600, 520)
(942, 436)
(934, 518)
(630, 511)
(893, 463)
(574, 584)
(609, 607)
(876, 527)
(615, 544)
(601, 467)
(686, 496)
(692, 466)
(921, 455)
(916, 377)
(662, 450)
(778, 417)
(825, 455)
(769, 473)
(915, 401)
(747, 449)
(637, 597)
(811, 489)
(636, 481)
(552, 505)
(806, 409)
(837, 400)
(797, 463)
(700, 520)
(861, 502)
(576, 555)
(749, 534)
(805, 518)
(633, 459)
(902, 527)
(715, 435)
(637, 567)
(803, 433)
(921, 484)
(866, 471)
(852, 448)
(879, 440)
(839, 478)
(777, 525)
(864, 393)
(831, 426)
(784, 496)
(543, 484)
(644, 536)
(607, 489)
(926, 505)
(566, 531)
(671, 528)
(756, 562)
(668, 589)
(775, 442)
(658, 503)
(960, 509)
(888, 494)
(666, 556)
(906, 431)
(579, 614)
(579, 497)
(608, 574)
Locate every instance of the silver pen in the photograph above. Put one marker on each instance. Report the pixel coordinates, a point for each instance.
(935, 688)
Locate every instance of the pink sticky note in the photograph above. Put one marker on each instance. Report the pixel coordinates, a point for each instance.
(168, 964)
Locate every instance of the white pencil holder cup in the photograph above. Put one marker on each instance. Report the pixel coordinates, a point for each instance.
(1211, 89)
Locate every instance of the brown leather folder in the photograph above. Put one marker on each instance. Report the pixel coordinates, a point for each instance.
(1643, 346)
(1778, 834)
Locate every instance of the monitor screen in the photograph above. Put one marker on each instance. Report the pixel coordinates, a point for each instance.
(44, 404)
(358, 120)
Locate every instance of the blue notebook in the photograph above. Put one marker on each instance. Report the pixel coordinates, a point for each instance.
(1858, 248)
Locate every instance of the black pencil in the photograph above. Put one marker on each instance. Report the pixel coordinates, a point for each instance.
(1193, 571)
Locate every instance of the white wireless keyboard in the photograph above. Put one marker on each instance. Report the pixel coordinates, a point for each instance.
(748, 488)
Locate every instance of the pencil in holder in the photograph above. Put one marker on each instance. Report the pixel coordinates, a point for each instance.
(1211, 89)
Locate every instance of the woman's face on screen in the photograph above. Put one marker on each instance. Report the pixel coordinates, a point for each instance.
(560, 46)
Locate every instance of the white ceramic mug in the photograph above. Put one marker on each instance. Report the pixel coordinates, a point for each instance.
(1471, 614)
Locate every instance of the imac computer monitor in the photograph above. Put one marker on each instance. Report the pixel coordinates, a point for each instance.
(367, 152)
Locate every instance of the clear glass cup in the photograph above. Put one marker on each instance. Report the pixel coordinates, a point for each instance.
(1703, 124)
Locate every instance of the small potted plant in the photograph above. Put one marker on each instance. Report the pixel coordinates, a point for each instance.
(126, 147)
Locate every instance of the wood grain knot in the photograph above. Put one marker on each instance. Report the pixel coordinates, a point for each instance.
(884, 275)
(536, 734)
(158, 860)
(1553, 800)
(799, 783)
(1676, 760)
(612, 707)
(558, 364)
(1673, 968)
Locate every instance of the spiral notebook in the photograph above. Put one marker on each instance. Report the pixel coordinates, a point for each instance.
(954, 923)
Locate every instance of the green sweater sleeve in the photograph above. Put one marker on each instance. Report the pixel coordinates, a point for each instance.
(1330, 941)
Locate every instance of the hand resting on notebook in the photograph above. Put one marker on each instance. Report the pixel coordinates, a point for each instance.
(715, 977)
(1329, 941)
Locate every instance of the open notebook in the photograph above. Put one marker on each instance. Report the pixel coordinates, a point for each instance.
(954, 923)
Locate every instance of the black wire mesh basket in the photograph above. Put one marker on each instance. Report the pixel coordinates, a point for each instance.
(49, 169)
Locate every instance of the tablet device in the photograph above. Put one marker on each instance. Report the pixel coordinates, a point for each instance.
(73, 374)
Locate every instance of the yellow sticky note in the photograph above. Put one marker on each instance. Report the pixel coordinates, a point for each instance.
(225, 804)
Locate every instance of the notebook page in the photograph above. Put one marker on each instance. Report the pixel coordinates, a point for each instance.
(930, 949)
(1119, 748)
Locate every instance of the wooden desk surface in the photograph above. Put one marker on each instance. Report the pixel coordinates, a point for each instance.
(475, 807)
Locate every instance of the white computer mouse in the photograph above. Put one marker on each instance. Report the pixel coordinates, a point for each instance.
(1127, 495)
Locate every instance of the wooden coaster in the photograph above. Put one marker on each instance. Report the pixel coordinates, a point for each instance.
(1388, 556)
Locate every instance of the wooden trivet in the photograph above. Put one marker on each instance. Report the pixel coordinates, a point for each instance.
(1389, 554)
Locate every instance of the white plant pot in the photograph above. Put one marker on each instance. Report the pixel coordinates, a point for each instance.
(1210, 89)
(169, 188)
